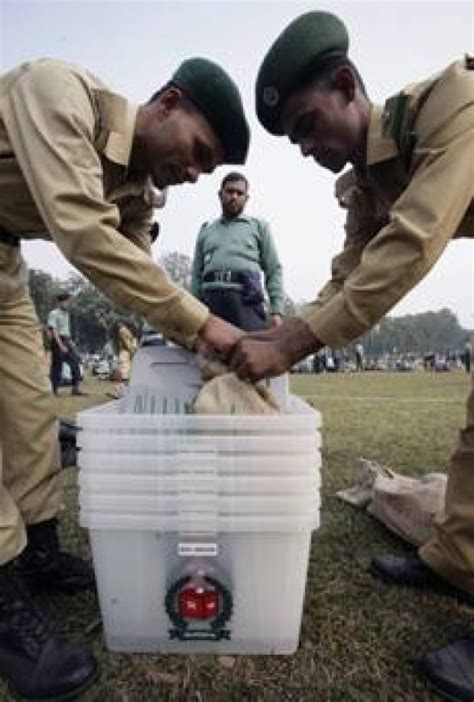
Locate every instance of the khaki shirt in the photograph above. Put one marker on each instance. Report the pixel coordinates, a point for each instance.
(400, 217)
(65, 144)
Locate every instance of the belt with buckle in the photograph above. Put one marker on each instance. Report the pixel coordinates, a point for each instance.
(9, 239)
(222, 277)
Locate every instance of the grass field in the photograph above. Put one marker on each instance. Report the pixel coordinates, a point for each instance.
(358, 636)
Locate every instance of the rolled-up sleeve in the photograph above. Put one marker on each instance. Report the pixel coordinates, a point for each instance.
(421, 223)
(50, 120)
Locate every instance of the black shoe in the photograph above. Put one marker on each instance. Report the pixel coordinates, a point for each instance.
(77, 392)
(412, 571)
(450, 670)
(45, 569)
(36, 662)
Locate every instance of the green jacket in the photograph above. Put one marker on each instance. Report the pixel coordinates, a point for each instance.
(241, 244)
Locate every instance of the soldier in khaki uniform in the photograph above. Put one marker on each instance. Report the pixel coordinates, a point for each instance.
(78, 164)
(409, 193)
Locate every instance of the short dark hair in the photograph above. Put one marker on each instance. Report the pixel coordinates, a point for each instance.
(232, 177)
(324, 72)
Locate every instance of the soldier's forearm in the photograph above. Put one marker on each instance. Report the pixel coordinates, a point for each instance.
(296, 339)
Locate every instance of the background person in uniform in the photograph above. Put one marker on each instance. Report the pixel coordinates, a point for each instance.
(402, 211)
(127, 345)
(467, 356)
(359, 355)
(230, 254)
(78, 164)
(429, 361)
(62, 348)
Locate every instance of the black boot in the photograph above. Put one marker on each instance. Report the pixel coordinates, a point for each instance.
(45, 569)
(36, 662)
(411, 571)
(450, 670)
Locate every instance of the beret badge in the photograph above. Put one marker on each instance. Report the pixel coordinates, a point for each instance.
(270, 96)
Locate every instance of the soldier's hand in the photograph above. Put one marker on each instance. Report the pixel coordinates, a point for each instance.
(253, 359)
(273, 352)
(271, 334)
(218, 337)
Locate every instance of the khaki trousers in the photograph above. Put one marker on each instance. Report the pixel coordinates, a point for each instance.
(29, 467)
(450, 551)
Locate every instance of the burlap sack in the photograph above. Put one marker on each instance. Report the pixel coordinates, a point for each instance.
(407, 506)
(224, 393)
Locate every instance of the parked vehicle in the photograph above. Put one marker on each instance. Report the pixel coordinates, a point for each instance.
(104, 368)
(403, 365)
(442, 366)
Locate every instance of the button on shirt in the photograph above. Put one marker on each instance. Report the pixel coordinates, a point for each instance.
(399, 221)
(65, 143)
(240, 244)
(59, 319)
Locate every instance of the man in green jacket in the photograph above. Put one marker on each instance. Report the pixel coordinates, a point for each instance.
(230, 254)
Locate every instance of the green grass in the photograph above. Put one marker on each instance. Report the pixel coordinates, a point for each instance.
(358, 635)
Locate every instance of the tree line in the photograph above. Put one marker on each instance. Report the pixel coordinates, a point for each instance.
(94, 317)
(428, 332)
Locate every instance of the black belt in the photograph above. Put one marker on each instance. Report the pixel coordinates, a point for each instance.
(9, 239)
(222, 277)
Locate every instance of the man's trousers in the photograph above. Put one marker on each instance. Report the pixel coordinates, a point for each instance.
(57, 360)
(29, 468)
(229, 305)
(450, 551)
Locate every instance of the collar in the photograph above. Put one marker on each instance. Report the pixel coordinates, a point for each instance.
(380, 147)
(119, 144)
(118, 117)
(240, 218)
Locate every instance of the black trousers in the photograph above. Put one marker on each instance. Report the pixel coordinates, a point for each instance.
(229, 305)
(57, 360)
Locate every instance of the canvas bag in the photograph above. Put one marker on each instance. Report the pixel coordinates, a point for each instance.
(225, 393)
(407, 506)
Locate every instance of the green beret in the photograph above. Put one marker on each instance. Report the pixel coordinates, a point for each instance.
(305, 44)
(217, 97)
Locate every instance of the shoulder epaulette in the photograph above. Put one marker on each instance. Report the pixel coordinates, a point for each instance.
(397, 124)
